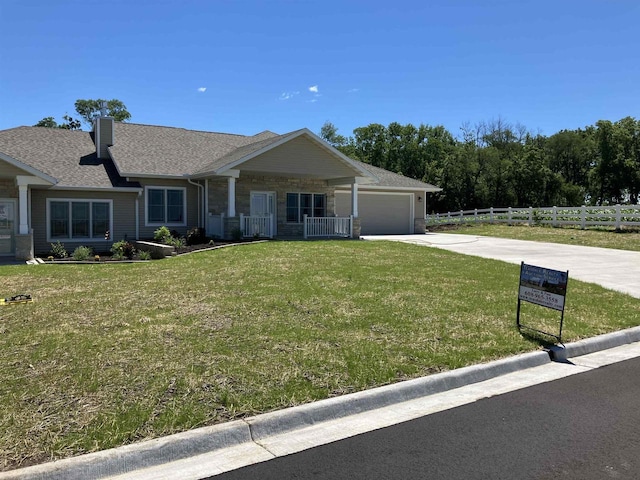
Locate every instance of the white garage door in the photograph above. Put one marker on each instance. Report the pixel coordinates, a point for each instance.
(379, 213)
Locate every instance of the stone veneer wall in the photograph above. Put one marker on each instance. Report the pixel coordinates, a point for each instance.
(218, 198)
(419, 225)
(8, 189)
(24, 247)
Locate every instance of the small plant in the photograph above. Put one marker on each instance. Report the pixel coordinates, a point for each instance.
(162, 235)
(177, 242)
(58, 250)
(123, 249)
(236, 234)
(144, 255)
(81, 253)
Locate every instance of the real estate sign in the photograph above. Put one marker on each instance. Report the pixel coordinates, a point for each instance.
(543, 286)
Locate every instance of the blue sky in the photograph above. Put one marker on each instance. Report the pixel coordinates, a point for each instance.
(248, 66)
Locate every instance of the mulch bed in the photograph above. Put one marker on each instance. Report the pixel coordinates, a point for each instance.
(107, 257)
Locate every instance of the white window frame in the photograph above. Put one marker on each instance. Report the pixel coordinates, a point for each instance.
(165, 188)
(90, 201)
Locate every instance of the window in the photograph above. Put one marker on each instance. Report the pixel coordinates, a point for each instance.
(78, 219)
(166, 206)
(301, 204)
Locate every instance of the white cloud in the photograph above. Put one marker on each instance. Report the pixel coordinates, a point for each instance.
(288, 95)
(314, 89)
(353, 90)
(202, 89)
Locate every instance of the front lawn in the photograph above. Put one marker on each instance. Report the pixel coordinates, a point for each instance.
(110, 354)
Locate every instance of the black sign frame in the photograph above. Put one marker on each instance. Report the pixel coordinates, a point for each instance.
(544, 287)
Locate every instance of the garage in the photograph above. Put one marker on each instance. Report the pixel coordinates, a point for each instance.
(380, 213)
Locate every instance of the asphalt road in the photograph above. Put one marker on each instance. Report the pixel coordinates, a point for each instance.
(585, 426)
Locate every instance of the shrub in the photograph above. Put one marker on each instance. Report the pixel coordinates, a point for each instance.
(162, 235)
(123, 249)
(81, 253)
(58, 250)
(196, 236)
(144, 255)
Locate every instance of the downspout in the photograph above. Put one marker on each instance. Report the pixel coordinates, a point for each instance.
(200, 216)
(205, 213)
(138, 215)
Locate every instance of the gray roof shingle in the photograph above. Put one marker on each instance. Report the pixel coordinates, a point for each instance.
(169, 151)
(393, 180)
(147, 151)
(69, 156)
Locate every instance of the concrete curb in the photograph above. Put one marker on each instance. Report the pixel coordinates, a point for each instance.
(168, 449)
(137, 456)
(291, 419)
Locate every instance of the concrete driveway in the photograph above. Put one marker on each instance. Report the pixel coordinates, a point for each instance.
(614, 269)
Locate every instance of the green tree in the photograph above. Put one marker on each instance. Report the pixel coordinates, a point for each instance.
(89, 109)
(68, 124)
(329, 133)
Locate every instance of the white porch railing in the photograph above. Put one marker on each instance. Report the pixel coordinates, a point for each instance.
(257, 226)
(613, 216)
(328, 226)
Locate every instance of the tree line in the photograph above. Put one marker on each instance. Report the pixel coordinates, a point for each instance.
(499, 164)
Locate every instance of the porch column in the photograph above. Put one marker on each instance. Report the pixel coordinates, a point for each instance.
(354, 200)
(24, 211)
(231, 211)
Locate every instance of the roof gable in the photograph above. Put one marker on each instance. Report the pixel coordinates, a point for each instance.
(284, 154)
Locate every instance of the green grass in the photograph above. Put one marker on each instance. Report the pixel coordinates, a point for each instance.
(627, 239)
(116, 353)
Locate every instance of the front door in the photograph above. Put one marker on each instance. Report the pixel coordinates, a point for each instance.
(262, 205)
(7, 226)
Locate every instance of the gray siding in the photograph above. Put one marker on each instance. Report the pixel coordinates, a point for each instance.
(299, 157)
(105, 132)
(123, 206)
(193, 198)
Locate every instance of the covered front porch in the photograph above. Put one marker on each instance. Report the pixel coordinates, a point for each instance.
(283, 188)
(262, 206)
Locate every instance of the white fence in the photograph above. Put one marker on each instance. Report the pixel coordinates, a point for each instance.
(613, 216)
(328, 226)
(257, 226)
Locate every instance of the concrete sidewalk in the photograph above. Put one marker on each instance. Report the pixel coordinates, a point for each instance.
(208, 451)
(614, 269)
